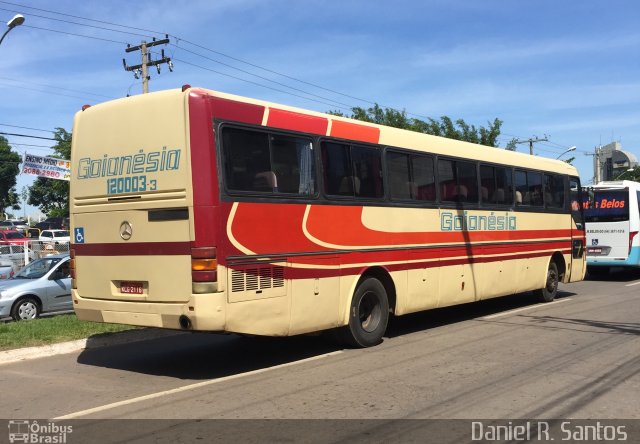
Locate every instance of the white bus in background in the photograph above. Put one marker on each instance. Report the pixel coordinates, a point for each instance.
(612, 218)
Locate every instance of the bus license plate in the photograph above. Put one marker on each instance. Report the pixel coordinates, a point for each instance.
(128, 287)
(594, 250)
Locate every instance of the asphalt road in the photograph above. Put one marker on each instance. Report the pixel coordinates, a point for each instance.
(507, 358)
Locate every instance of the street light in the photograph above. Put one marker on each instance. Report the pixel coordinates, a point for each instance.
(573, 148)
(17, 20)
(623, 173)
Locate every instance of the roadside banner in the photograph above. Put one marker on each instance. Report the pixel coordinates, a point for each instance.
(48, 167)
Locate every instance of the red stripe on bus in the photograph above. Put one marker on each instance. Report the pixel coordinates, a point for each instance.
(280, 118)
(260, 228)
(352, 131)
(203, 161)
(348, 270)
(466, 253)
(236, 111)
(134, 249)
(351, 231)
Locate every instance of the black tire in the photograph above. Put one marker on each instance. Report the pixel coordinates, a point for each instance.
(368, 315)
(25, 309)
(550, 290)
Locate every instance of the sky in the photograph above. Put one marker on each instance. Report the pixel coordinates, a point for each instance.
(564, 71)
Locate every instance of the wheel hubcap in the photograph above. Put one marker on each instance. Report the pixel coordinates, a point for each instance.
(369, 312)
(27, 311)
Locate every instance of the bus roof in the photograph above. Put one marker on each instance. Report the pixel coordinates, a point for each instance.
(388, 136)
(615, 184)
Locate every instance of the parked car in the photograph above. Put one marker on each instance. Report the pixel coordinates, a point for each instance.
(42, 286)
(12, 259)
(56, 236)
(53, 223)
(18, 225)
(12, 237)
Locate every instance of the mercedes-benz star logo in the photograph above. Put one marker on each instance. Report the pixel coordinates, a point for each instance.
(126, 231)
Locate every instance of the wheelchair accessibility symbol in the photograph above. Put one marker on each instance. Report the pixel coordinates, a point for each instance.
(78, 235)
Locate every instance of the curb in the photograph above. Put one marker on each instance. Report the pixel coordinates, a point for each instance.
(99, 341)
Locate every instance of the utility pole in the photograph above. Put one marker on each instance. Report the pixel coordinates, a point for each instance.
(596, 164)
(142, 70)
(533, 140)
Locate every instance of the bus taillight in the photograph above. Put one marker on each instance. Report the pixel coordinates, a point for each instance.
(632, 234)
(204, 269)
(72, 267)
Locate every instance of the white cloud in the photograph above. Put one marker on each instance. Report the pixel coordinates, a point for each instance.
(492, 52)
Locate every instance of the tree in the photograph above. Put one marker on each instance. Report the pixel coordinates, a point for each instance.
(9, 169)
(511, 146)
(52, 195)
(631, 175)
(445, 127)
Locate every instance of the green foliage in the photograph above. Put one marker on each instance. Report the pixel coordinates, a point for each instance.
(511, 146)
(9, 169)
(445, 127)
(52, 195)
(630, 175)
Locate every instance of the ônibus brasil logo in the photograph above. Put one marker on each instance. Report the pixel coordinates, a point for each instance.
(33, 432)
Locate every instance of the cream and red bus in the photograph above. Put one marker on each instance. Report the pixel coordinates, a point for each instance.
(198, 210)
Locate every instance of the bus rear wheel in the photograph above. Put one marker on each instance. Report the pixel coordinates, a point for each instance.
(550, 290)
(368, 315)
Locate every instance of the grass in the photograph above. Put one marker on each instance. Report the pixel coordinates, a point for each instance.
(50, 330)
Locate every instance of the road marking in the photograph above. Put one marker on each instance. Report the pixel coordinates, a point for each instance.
(631, 285)
(190, 387)
(516, 310)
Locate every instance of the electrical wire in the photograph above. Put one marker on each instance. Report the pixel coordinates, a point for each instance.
(79, 24)
(73, 34)
(82, 18)
(341, 104)
(324, 100)
(249, 81)
(56, 87)
(179, 39)
(26, 135)
(41, 91)
(26, 127)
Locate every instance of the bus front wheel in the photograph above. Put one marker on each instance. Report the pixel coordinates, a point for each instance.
(368, 315)
(550, 290)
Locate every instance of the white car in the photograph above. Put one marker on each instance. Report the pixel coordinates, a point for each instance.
(57, 236)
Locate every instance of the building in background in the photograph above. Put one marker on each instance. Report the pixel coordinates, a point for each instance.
(610, 161)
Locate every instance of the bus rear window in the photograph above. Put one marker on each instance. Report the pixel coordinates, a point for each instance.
(608, 206)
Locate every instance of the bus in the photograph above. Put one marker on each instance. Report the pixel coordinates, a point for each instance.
(198, 210)
(612, 216)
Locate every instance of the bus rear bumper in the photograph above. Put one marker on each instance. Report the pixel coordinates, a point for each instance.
(633, 260)
(157, 314)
